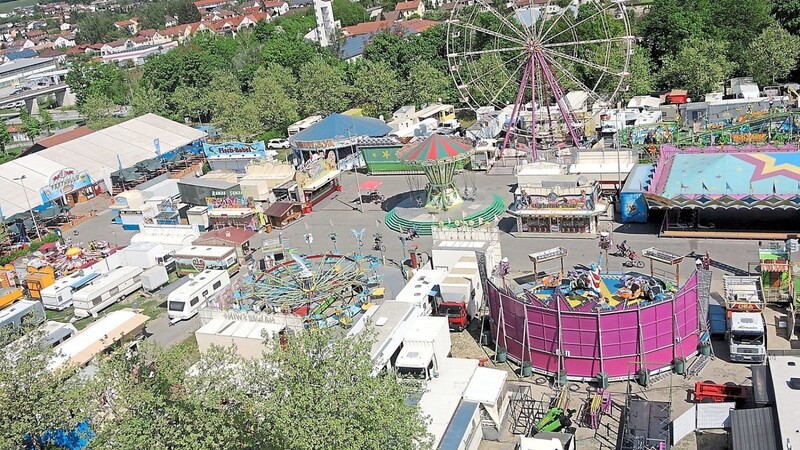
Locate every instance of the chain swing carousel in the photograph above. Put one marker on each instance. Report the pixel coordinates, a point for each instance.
(439, 158)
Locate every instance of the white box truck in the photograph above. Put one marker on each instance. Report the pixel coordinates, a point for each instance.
(425, 347)
(747, 331)
(154, 278)
(146, 255)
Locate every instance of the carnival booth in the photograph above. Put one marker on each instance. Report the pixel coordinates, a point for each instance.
(283, 214)
(235, 156)
(338, 133)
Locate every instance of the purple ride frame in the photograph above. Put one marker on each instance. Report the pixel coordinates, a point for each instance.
(615, 342)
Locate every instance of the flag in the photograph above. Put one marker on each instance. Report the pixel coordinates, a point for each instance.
(728, 187)
(774, 188)
(330, 221)
(308, 227)
(463, 214)
(703, 183)
(377, 223)
(751, 187)
(157, 145)
(119, 162)
(683, 186)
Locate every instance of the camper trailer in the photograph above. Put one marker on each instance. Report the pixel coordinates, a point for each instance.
(106, 290)
(196, 258)
(23, 312)
(184, 303)
(58, 296)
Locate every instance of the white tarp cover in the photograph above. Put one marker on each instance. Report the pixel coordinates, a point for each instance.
(684, 425)
(714, 416)
(97, 153)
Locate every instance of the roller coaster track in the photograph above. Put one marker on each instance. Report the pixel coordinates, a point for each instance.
(778, 126)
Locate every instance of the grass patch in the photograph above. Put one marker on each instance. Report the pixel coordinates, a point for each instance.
(189, 345)
(151, 306)
(9, 6)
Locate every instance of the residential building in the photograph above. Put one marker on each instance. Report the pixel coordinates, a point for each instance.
(205, 6)
(408, 9)
(276, 8)
(132, 25)
(325, 31)
(170, 21)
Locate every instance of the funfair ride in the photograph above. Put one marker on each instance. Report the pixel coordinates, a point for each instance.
(529, 56)
(324, 289)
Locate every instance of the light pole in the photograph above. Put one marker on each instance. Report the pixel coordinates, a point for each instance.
(333, 239)
(33, 218)
(403, 256)
(355, 169)
(619, 148)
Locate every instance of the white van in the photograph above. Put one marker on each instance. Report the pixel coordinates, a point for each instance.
(58, 296)
(184, 302)
(107, 290)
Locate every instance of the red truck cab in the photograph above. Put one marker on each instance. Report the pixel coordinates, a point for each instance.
(456, 313)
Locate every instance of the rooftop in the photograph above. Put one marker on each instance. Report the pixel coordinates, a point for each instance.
(228, 234)
(443, 394)
(785, 374)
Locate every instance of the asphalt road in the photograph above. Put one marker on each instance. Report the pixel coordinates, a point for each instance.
(340, 214)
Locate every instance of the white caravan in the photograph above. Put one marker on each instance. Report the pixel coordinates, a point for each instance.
(107, 290)
(184, 303)
(58, 296)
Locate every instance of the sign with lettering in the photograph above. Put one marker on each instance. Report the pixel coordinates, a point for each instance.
(229, 202)
(235, 150)
(64, 182)
(199, 264)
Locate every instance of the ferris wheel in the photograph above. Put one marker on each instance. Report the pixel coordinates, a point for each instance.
(526, 58)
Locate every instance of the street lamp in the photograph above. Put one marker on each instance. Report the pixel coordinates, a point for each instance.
(22, 183)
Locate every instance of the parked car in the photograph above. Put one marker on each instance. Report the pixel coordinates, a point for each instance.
(278, 143)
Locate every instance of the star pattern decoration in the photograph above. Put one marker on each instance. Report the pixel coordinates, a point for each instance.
(374, 154)
(386, 154)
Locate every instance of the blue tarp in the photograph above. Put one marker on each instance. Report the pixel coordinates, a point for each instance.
(340, 127)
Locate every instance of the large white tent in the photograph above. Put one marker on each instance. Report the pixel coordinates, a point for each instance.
(98, 153)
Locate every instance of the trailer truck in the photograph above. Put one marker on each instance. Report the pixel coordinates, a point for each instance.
(746, 329)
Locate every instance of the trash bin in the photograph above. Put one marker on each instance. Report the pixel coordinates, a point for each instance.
(502, 355)
(527, 369)
(705, 348)
(679, 366)
(602, 380)
(643, 377)
(486, 338)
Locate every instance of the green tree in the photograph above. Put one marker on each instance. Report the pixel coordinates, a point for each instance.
(190, 102)
(148, 100)
(96, 28)
(5, 138)
(31, 126)
(376, 89)
(427, 84)
(233, 113)
(98, 110)
(46, 120)
(184, 10)
(773, 55)
(787, 12)
(88, 79)
(641, 80)
(151, 15)
(737, 23)
(349, 13)
(321, 88)
(329, 380)
(700, 67)
(34, 398)
(272, 89)
(670, 22)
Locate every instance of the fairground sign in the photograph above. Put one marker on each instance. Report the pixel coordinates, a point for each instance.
(235, 150)
(63, 182)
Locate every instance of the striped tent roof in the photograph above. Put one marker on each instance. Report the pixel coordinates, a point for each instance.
(436, 148)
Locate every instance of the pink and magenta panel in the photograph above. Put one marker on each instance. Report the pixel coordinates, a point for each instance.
(594, 342)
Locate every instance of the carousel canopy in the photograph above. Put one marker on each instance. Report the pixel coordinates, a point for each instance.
(341, 127)
(436, 148)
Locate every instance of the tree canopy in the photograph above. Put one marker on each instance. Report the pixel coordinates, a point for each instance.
(315, 390)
